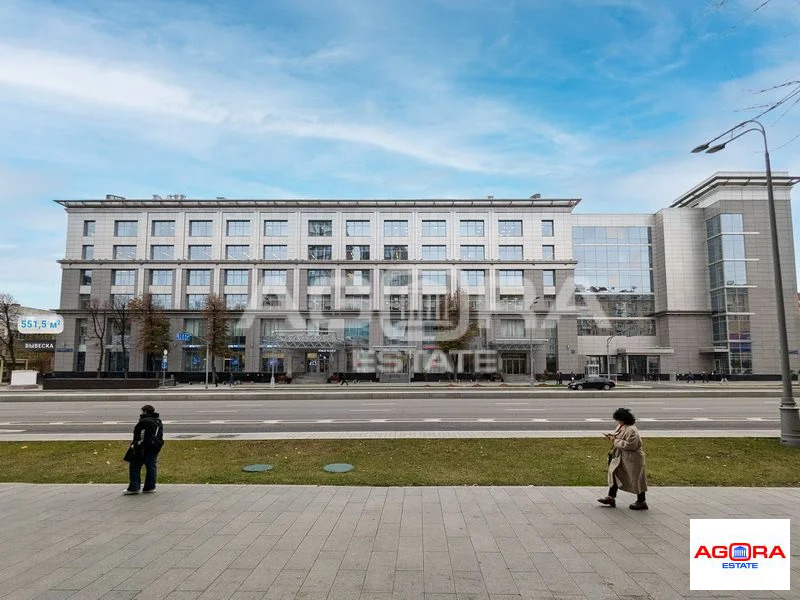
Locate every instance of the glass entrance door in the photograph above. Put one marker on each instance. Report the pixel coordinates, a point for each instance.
(515, 363)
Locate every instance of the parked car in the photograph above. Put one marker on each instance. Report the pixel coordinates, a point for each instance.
(591, 382)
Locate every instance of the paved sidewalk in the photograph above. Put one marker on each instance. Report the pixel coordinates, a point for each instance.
(218, 542)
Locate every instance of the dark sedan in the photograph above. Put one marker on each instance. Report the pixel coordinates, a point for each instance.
(591, 383)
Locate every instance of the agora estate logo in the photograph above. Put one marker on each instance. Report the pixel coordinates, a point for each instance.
(741, 555)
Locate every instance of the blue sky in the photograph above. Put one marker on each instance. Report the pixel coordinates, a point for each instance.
(443, 98)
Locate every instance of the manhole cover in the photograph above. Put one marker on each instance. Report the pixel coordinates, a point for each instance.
(257, 468)
(338, 468)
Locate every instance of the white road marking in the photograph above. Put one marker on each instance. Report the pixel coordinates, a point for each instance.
(524, 409)
(56, 423)
(370, 410)
(110, 422)
(485, 420)
(323, 421)
(217, 422)
(377, 420)
(271, 421)
(701, 419)
(540, 420)
(431, 420)
(595, 420)
(755, 418)
(378, 403)
(12, 430)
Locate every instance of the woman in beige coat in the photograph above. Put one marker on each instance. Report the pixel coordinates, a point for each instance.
(626, 469)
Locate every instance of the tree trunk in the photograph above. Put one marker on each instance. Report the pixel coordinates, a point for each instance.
(102, 356)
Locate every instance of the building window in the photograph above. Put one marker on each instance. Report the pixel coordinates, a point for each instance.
(124, 252)
(631, 328)
(237, 252)
(471, 228)
(434, 228)
(276, 228)
(357, 277)
(83, 301)
(395, 252)
(548, 252)
(236, 301)
(163, 228)
(199, 252)
(396, 278)
(432, 305)
(162, 300)
(237, 277)
(86, 277)
(357, 332)
(120, 299)
(160, 277)
(320, 252)
(199, 277)
(434, 253)
(357, 229)
(123, 277)
(395, 228)
(88, 229)
(236, 228)
(510, 252)
(477, 302)
(275, 252)
(511, 302)
(547, 228)
(270, 327)
(319, 302)
(612, 259)
(358, 252)
(196, 301)
(272, 301)
(87, 252)
(319, 277)
(320, 229)
(472, 253)
(433, 278)
(509, 228)
(275, 277)
(473, 278)
(735, 272)
(737, 300)
(200, 228)
(125, 228)
(159, 252)
(548, 278)
(509, 277)
(512, 329)
(724, 223)
(353, 302)
(396, 302)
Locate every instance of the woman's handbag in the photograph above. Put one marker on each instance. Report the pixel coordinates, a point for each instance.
(130, 454)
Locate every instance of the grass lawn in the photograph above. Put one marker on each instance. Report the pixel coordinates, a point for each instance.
(518, 461)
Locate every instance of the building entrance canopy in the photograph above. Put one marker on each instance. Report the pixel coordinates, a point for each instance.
(285, 339)
(516, 343)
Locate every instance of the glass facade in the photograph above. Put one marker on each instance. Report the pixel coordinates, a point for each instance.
(614, 281)
(730, 304)
(434, 228)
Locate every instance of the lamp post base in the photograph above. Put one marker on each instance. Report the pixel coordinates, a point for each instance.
(790, 426)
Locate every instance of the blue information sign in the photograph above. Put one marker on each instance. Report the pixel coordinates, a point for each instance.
(184, 336)
(164, 364)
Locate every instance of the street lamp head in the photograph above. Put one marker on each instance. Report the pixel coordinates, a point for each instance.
(700, 148)
(715, 148)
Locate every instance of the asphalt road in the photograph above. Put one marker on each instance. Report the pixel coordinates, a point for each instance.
(546, 416)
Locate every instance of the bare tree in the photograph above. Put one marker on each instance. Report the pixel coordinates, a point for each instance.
(98, 316)
(215, 313)
(121, 316)
(154, 334)
(9, 312)
(460, 328)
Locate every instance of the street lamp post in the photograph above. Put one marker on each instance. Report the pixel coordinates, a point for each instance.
(608, 354)
(790, 419)
(164, 369)
(533, 314)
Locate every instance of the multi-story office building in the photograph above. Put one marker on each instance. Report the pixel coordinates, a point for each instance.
(323, 285)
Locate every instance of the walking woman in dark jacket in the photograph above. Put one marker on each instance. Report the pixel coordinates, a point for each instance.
(148, 438)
